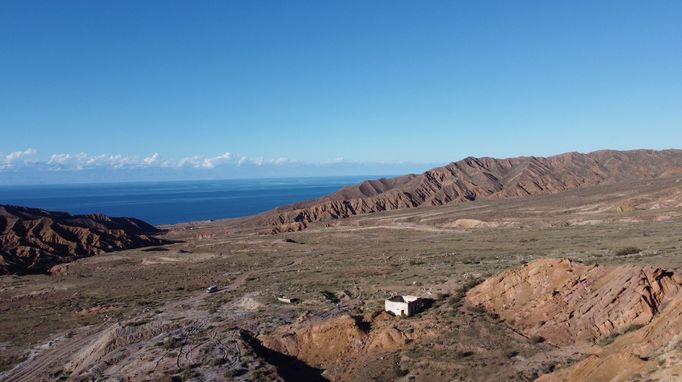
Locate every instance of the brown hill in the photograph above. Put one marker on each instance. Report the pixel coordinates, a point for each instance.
(477, 178)
(34, 240)
(626, 317)
(338, 345)
(564, 301)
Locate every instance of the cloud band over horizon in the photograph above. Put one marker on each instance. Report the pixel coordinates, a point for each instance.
(28, 160)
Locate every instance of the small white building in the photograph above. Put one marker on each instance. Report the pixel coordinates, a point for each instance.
(404, 305)
(287, 300)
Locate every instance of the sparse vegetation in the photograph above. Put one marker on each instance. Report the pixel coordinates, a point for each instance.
(612, 337)
(624, 208)
(449, 263)
(170, 343)
(511, 354)
(216, 362)
(627, 251)
(456, 298)
(464, 354)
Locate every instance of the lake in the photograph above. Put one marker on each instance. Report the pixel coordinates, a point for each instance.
(177, 201)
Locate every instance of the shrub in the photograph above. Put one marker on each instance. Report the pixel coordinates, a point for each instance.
(170, 343)
(511, 354)
(611, 337)
(464, 354)
(232, 373)
(456, 298)
(625, 208)
(216, 362)
(627, 251)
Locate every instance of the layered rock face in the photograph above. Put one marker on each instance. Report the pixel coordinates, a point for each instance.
(34, 240)
(563, 301)
(628, 317)
(338, 344)
(478, 178)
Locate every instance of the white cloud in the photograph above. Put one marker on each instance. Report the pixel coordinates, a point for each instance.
(19, 154)
(83, 161)
(260, 161)
(212, 162)
(154, 158)
(59, 158)
(279, 161)
(17, 157)
(194, 161)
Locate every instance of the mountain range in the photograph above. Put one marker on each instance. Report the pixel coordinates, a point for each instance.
(477, 179)
(34, 240)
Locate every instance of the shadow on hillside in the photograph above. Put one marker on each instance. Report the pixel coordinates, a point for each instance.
(289, 368)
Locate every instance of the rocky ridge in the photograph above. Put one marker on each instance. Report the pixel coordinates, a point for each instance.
(34, 240)
(474, 179)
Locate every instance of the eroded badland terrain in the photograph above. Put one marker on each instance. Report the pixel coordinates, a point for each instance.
(579, 285)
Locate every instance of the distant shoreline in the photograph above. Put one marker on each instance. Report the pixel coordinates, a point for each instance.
(174, 202)
(134, 182)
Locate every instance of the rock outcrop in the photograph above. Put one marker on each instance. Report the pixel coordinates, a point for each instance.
(34, 240)
(337, 344)
(629, 317)
(563, 301)
(477, 178)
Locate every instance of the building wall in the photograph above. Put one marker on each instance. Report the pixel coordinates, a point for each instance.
(396, 307)
(403, 308)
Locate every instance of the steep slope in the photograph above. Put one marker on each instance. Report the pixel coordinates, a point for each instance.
(652, 353)
(338, 345)
(627, 317)
(477, 178)
(34, 240)
(564, 301)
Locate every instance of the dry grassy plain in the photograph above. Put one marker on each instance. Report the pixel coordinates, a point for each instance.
(162, 324)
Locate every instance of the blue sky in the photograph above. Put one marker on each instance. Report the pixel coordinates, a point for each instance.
(327, 87)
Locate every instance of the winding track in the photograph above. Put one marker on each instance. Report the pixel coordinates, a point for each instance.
(35, 367)
(46, 360)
